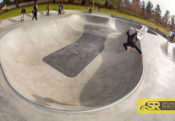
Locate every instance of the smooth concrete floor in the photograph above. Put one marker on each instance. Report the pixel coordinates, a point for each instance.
(76, 62)
(157, 82)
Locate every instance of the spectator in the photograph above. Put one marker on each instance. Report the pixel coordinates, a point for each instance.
(48, 9)
(171, 36)
(90, 10)
(99, 8)
(34, 13)
(59, 9)
(23, 11)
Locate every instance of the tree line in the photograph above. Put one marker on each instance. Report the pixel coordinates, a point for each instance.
(134, 7)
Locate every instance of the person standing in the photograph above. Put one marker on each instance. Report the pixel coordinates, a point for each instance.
(59, 9)
(173, 37)
(171, 33)
(34, 13)
(23, 11)
(90, 10)
(48, 9)
(99, 8)
(62, 11)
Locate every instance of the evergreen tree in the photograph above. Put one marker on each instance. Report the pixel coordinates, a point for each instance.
(166, 17)
(149, 8)
(172, 22)
(143, 7)
(157, 13)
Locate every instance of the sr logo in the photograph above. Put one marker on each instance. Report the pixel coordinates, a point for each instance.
(151, 105)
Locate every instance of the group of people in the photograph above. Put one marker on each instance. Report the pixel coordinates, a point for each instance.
(35, 11)
(171, 36)
(90, 9)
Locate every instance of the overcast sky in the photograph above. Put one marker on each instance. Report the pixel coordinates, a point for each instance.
(164, 5)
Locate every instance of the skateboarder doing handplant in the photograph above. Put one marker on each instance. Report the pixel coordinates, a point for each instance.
(133, 36)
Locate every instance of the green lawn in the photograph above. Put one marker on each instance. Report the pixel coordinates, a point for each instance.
(16, 12)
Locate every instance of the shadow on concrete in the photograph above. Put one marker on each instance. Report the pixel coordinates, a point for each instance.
(119, 74)
(13, 20)
(164, 48)
(174, 54)
(44, 101)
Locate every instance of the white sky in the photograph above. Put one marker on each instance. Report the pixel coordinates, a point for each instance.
(164, 5)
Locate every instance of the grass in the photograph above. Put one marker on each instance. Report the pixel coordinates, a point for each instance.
(17, 11)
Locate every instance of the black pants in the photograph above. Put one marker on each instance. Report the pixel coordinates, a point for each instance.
(48, 12)
(131, 43)
(59, 11)
(34, 16)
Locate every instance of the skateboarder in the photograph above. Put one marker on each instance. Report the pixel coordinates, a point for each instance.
(133, 36)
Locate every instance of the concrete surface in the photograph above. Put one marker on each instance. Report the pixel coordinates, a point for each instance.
(85, 64)
(157, 81)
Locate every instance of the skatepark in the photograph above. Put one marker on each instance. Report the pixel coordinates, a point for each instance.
(75, 67)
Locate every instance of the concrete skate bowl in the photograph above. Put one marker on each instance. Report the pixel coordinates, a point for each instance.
(71, 64)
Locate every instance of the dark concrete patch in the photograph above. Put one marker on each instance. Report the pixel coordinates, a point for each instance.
(118, 75)
(96, 19)
(72, 59)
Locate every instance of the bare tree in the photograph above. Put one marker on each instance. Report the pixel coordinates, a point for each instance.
(136, 6)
